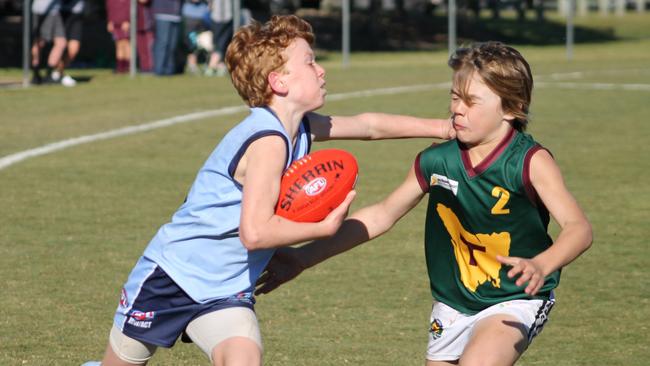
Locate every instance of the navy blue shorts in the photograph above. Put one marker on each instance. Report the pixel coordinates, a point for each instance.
(154, 310)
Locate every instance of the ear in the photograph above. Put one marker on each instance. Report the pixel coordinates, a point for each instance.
(509, 117)
(277, 83)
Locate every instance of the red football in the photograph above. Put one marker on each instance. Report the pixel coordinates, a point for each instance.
(316, 184)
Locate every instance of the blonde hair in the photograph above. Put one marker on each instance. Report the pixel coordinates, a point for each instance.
(256, 50)
(503, 69)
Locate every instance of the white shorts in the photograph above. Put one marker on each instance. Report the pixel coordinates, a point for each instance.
(451, 330)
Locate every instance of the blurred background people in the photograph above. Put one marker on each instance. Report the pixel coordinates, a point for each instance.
(221, 16)
(72, 16)
(145, 36)
(167, 16)
(48, 29)
(195, 13)
(118, 23)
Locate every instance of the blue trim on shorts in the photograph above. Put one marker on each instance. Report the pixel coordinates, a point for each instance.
(157, 310)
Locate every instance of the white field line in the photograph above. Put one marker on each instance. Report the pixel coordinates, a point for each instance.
(11, 159)
(581, 74)
(14, 158)
(594, 86)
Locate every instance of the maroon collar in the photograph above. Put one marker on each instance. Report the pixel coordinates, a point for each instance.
(492, 156)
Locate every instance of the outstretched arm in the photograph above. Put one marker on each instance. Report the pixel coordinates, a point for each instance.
(574, 238)
(377, 126)
(362, 226)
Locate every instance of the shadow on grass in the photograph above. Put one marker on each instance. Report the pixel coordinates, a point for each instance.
(15, 83)
(386, 32)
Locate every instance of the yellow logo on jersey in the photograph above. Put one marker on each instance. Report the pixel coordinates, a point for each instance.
(475, 253)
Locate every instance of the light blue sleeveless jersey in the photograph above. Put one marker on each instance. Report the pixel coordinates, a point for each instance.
(200, 248)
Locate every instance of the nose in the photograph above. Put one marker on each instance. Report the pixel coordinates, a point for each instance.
(320, 71)
(458, 107)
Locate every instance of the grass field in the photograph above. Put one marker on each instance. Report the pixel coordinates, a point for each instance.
(73, 223)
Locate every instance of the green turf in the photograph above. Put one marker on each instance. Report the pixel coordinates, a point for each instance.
(74, 222)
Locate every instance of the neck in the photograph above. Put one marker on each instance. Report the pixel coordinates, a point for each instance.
(480, 150)
(289, 118)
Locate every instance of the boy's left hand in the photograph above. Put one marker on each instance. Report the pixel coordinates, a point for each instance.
(530, 271)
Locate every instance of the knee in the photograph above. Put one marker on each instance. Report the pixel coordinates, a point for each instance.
(60, 42)
(237, 351)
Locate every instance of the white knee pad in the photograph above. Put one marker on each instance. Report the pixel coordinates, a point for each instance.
(208, 330)
(129, 349)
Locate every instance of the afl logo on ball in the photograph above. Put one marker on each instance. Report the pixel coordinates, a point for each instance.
(316, 186)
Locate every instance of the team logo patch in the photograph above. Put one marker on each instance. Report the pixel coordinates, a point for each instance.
(124, 300)
(444, 182)
(141, 319)
(436, 328)
(142, 315)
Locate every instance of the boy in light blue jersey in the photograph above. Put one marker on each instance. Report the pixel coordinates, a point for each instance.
(197, 276)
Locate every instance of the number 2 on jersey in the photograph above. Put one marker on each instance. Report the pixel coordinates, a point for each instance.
(503, 196)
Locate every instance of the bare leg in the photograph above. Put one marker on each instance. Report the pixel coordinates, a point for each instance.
(36, 52)
(496, 340)
(56, 53)
(215, 58)
(237, 351)
(73, 50)
(125, 46)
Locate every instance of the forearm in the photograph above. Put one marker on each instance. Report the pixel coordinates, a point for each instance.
(573, 240)
(359, 228)
(351, 234)
(279, 232)
(384, 126)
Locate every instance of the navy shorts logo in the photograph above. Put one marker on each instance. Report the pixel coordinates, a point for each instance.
(124, 300)
(141, 319)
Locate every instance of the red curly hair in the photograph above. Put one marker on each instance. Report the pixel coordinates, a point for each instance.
(256, 50)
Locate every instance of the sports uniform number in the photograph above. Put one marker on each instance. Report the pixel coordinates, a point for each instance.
(503, 197)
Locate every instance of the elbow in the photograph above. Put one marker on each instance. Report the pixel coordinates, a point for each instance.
(250, 238)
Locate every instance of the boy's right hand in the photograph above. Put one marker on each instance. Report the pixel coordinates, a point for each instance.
(109, 27)
(450, 132)
(335, 218)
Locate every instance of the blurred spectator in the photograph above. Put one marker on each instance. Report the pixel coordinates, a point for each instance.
(118, 16)
(167, 15)
(72, 16)
(48, 28)
(194, 15)
(222, 29)
(145, 36)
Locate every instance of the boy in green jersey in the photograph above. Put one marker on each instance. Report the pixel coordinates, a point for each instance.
(491, 263)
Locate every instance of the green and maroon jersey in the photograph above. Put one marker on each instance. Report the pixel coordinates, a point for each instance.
(477, 213)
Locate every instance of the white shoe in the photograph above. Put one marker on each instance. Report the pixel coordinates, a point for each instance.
(56, 76)
(68, 81)
(92, 363)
